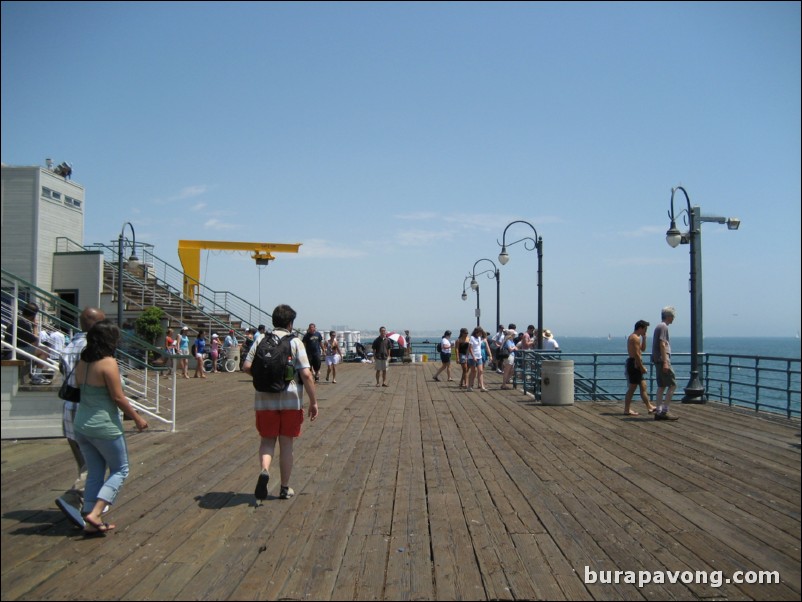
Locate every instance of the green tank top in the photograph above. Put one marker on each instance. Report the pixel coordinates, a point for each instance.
(98, 416)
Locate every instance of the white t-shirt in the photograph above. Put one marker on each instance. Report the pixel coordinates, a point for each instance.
(293, 397)
(550, 344)
(476, 347)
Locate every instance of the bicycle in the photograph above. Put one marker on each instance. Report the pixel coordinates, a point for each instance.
(223, 363)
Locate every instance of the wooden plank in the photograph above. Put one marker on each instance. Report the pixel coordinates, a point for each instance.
(409, 575)
(418, 491)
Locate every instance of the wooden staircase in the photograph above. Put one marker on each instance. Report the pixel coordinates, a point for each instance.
(140, 293)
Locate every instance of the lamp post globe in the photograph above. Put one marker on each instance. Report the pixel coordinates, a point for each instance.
(503, 257)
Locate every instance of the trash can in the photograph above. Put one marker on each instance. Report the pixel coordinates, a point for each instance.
(557, 383)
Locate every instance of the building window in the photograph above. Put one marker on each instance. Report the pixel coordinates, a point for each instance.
(51, 194)
(71, 202)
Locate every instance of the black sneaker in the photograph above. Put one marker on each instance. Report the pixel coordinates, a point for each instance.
(286, 493)
(261, 486)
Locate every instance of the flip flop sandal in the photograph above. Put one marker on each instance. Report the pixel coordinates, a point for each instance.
(99, 528)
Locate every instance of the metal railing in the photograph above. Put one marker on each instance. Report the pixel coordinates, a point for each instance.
(170, 280)
(142, 366)
(770, 384)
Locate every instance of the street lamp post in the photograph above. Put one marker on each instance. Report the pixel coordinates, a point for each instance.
(494, 273)
(695, 390)
(504, 257)
(132, 263)
(476, 290)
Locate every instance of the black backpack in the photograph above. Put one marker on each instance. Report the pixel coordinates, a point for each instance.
(272, 368)
(439, 348)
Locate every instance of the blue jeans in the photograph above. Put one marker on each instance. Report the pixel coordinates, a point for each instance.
(101, 454)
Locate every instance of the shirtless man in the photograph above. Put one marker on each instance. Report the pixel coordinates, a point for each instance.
(636, 345)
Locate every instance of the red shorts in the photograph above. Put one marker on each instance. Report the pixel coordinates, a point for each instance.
(279, 423)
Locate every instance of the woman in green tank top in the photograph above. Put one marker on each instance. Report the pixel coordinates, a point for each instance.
(98, 427)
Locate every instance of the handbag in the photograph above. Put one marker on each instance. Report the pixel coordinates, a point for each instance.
(68, 392)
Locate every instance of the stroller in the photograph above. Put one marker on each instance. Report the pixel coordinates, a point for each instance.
(361, 353)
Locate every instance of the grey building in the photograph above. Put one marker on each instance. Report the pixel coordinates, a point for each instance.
(38, 206)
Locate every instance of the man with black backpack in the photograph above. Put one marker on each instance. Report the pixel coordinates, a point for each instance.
(281, 373)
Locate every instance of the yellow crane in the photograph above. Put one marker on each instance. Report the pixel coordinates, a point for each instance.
(189, 254)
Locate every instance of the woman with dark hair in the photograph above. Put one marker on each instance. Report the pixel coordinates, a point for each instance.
(98, 427)
(445, 356)
(476, 362)
(463, 346)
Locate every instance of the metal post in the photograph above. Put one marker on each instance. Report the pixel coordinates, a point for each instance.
(695, 391)
(133, 258)
(498, 298)
(120, 279)
(478, 310)
(504, 258)
(540, 293)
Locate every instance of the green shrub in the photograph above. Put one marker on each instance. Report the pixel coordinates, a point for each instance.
(149, 325)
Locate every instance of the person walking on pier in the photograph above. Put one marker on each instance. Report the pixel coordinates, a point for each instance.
(98, 428)
(463, 347)
(445, 356)
(333, 356)
(476, 362)
(279, 416)
(72, 500)
(636, 345)
(661, 358)
(381, 356)
(313, 341)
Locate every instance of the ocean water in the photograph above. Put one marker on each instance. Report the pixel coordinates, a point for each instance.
(732, 374)
(782, 347)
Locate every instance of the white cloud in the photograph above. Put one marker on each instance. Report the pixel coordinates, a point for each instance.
(216, 224)
(189, 192)
(318, 248)
(420, 238)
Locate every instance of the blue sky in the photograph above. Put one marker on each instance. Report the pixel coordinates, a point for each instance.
(396, 141)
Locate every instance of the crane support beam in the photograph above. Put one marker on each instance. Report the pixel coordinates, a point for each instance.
(189, 254)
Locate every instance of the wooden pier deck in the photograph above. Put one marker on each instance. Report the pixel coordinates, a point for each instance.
(420, 491)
